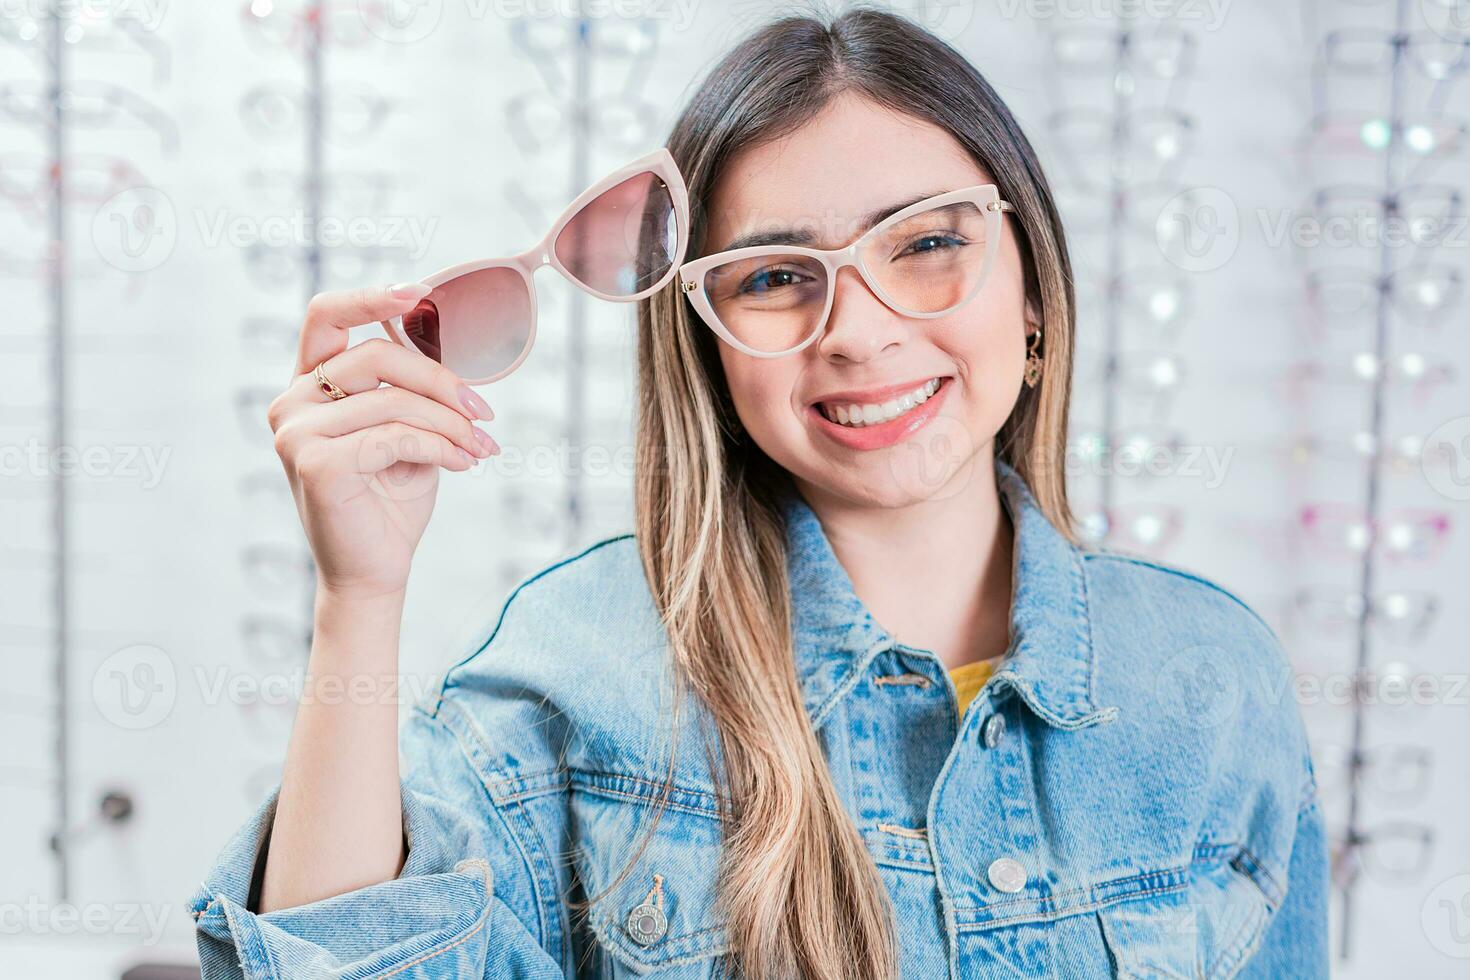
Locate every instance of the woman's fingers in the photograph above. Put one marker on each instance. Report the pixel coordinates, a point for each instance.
(367, 365)
(330, 314)
(379, 446)
(369, 451)
(380, 405)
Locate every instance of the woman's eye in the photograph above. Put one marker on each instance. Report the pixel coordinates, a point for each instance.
(934, 243)
(768, 279)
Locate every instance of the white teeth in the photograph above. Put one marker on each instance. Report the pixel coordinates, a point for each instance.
(860, 415)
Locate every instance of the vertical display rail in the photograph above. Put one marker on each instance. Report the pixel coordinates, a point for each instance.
(57, 272)
(1366, 577)
(1116, 265)
(581, 95)
(315, 134)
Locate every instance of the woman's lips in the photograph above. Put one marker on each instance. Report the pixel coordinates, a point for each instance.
(881, 434)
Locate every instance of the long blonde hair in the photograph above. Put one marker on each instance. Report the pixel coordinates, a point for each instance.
(797, 886)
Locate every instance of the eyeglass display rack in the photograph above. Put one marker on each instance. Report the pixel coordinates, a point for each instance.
(60, 436)
(1123, 71)
(576, 381)
(580, 142)
(311, 20)
(1367, 572)
(55, 33)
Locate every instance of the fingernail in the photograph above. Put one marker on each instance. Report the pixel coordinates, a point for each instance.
(483, 438)
(409, 290)
(474, 404)
(468, 459)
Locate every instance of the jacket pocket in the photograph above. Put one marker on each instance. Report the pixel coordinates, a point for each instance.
(1207, 930)
(1152, 937)
(1232, 913)
(655, 911)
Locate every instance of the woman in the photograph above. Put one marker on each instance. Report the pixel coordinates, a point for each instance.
(732, 743)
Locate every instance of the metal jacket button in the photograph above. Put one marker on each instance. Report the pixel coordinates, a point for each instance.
(994, 731)
(1007, 874)
(646, 922)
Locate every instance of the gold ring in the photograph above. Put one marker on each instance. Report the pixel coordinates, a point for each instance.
(325, 384)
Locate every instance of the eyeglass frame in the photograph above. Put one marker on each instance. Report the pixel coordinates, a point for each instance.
(660, 163)
(834, 260)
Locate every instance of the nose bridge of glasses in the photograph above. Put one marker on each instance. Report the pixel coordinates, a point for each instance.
(851, 255)
(535, 257)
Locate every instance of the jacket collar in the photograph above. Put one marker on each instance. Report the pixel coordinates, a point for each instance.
(1049, 662)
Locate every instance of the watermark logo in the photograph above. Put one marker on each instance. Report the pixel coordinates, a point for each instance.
(135, 687)
(1445, 917)
(1199, 229)
(937, 462)
(136, 229)
(1197, 685)
(38, 917)
(401, 21)
(1446, 459)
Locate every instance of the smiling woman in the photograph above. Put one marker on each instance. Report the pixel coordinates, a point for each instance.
(755, 737)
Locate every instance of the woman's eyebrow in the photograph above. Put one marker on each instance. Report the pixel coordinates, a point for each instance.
(804, 236)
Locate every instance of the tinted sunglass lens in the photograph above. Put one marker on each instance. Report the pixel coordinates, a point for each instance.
(623, 241)
(477, 324)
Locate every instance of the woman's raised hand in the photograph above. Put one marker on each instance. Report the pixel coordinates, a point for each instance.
(364, 468)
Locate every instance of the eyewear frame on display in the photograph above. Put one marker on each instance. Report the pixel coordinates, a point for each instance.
(1146, 528)
(1400, 616)
(352, 190)
(275, 111)
(91, 178)
(1409, 372)
(1374, 49)
(1401, 454)
(660, 164)
(1343, 531)
(277, 569)
(1162, 51)
(1137, 446)
(1357, 851)
(1407, 204)
(1162, 300)
(270, 266)
(90, 103)
(335, 23)
(1430, 137)
(1419, 292)
(1154, 140)
(622, 122)
(985, 196)
(96, 32)
(543, 41)
(1146, 380)
(1397, 774)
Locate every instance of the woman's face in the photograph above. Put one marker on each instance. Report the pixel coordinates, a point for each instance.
(851, 159)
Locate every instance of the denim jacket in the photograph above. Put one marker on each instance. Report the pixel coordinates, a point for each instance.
(1129, 795)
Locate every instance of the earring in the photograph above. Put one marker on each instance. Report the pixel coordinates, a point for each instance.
(1032, 373)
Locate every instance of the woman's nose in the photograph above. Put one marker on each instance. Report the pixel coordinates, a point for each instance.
(860, 325)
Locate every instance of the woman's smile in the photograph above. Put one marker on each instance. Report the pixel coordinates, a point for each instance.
(879, 417)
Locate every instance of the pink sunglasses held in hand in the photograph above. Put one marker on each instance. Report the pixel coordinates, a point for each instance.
(622, 239)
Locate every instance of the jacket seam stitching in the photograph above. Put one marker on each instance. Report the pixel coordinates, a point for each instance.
(1092, 906)
(1114, 882)
(505, 606)
(443, 949)
(618, 794)
(511, 832)
(1182, 573)
(1084, 603)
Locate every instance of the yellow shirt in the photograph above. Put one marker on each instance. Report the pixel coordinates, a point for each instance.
(969, 678)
